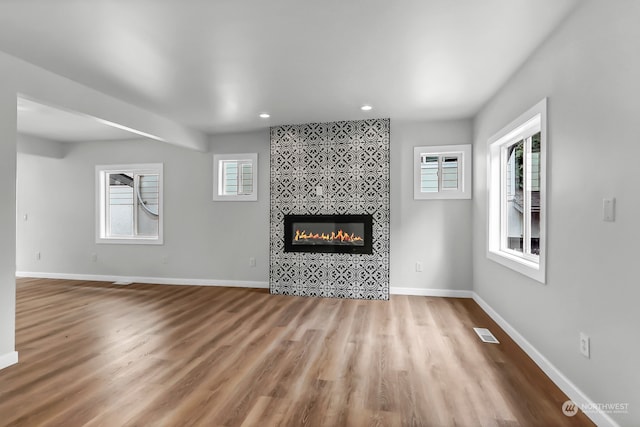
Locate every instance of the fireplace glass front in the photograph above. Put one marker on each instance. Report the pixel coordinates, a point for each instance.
(350, 234)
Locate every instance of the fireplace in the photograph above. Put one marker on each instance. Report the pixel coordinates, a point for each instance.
(350, 234)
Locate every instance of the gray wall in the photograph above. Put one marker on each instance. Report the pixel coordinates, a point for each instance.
(20, 77)
(30, 144)
(7, 219)
(434, 232)
(60, 222)
(203, 239)
(590, 71)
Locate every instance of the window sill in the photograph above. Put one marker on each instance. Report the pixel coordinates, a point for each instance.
(443, 195)
(247, 198)
(523, 266)
(132, 241)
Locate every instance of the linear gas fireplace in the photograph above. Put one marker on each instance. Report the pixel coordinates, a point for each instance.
(351, 234)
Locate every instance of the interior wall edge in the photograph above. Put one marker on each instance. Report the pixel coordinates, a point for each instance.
(8, 359)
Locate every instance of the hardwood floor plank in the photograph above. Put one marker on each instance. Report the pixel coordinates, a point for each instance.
(97, 354)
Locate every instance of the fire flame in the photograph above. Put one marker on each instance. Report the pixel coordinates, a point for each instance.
(340, 236)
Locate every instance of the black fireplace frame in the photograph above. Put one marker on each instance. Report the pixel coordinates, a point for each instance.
(365, 219)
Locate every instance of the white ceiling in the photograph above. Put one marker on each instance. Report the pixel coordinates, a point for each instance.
(214, 65)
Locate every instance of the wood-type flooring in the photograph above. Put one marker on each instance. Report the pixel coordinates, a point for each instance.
(98, 354)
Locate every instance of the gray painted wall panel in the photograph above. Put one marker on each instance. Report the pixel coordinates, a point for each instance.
(436, 233)
(201, 236)
(589, 71)
(7, 219)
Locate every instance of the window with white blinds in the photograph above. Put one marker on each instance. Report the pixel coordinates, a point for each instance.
(442, 172)
(128, 203)
(235, 177)
(439, 173)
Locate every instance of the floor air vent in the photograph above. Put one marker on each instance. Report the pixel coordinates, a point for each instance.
(486, 335)
(122, 283)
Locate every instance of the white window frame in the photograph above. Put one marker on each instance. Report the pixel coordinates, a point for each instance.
(218, 180)
(463, 152)
(532, 121)
(101, 203)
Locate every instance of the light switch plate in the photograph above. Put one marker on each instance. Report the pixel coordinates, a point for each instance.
(585, 345)
(609, 209)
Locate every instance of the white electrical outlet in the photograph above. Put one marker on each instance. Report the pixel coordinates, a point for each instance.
(94, 257)
(418, 266)
(252, 262)
(164, 260)
(585, 344)
(38, 256)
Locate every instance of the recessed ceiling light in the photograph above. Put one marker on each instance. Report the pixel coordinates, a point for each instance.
(264, 115)
(366, 108)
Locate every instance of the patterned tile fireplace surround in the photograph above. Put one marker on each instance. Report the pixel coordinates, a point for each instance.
(338, 168)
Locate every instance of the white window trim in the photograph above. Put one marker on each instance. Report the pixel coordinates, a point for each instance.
(518, 129)
(217, 178)
(464, 171)
(101, 206)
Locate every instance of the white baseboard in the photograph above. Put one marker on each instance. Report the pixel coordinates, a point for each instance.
(571, 390)
(150, 280)
(449, 293)
(8, 359)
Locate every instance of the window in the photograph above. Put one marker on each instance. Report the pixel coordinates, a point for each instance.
(442, 172)
(235, 177)
(129, 204)
(517, 197)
